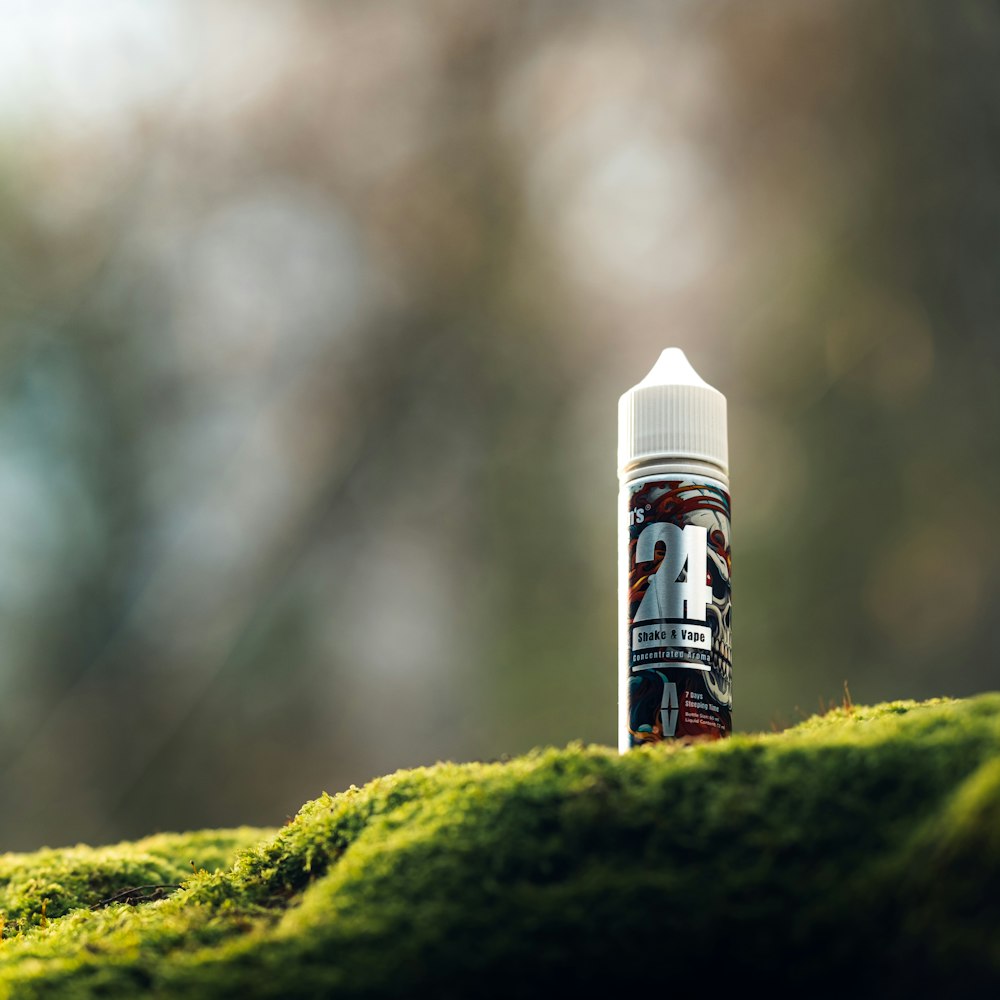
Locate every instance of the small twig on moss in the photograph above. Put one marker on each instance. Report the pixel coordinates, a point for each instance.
(136, 895)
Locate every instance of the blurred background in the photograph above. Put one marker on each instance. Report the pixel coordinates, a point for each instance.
(313, 320)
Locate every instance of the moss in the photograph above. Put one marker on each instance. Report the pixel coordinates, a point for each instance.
(860, 850)
(39, 887)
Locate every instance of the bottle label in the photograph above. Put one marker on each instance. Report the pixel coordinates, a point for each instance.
(677, 667)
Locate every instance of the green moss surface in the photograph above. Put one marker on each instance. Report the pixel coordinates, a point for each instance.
(858, 852)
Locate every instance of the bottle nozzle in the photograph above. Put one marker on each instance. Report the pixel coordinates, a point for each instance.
(673, 414)
(673, 368)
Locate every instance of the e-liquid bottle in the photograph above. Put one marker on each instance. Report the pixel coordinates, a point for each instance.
(674, 593)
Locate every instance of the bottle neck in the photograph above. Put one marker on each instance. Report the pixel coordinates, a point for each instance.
(674, 467)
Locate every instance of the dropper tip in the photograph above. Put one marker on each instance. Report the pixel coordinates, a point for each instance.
(673, 368)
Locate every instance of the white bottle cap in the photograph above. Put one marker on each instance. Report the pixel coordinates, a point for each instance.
(672, 414)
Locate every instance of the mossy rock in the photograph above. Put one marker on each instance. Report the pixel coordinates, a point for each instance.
(857, 852)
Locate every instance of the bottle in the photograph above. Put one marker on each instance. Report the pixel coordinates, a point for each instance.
(674, 593)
